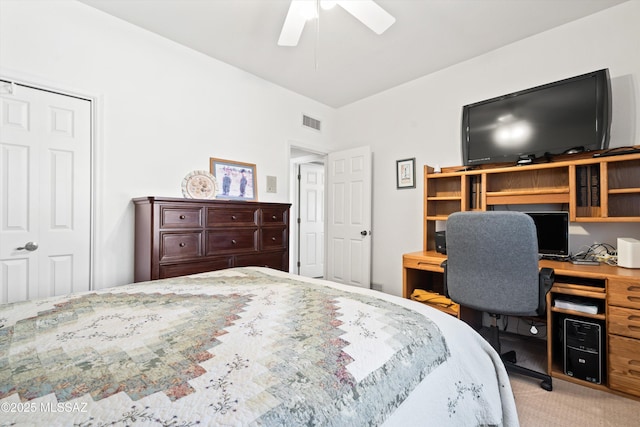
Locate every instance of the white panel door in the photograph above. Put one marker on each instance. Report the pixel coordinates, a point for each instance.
(45, 185)
(349, 217)
(311, 220)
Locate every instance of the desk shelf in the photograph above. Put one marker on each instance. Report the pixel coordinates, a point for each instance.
(603, 189)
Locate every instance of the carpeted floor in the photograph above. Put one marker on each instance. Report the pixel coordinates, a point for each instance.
(569, 404)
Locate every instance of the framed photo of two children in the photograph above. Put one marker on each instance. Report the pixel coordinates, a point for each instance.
(236, 180)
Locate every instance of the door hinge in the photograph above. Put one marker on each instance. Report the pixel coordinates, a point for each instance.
(299, 221)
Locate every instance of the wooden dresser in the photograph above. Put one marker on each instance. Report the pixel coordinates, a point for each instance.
(176, 237)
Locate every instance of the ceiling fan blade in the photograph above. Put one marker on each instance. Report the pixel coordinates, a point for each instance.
(370, 13)
(293, 24)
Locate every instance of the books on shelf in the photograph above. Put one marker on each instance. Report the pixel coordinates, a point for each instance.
(588, 185)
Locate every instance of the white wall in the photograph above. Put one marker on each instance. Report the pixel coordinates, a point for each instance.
(163, 111)
(422, 119)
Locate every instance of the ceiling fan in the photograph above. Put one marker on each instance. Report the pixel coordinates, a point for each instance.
(300, 11)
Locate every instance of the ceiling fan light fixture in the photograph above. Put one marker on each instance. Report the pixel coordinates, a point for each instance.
(369, 13)
(300, 11)
(328, 4)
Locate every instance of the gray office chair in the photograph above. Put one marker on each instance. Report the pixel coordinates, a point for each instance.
(492, 266)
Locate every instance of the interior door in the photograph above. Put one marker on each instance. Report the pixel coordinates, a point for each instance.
(45, 190)
(311, 216)
(349, 217)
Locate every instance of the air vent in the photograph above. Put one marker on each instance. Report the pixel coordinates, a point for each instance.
(310, 122)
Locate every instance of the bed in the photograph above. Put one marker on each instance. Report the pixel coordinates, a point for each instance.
(245, 346)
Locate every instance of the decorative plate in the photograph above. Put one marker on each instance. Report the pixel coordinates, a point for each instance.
(199, 185)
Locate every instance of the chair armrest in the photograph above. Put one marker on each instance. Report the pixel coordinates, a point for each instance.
(546, 278)
(445, 291)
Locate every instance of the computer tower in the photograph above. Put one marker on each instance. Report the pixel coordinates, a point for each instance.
(441, 242)
(584, 349)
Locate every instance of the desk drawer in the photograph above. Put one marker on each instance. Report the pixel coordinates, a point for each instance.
(624, 321)
(423, 264)
(623, 293)
(624, 364)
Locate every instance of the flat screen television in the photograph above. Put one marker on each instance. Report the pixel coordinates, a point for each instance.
(570, 115)
(552, 229)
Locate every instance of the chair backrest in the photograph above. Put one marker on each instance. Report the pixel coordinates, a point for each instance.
(492, 262)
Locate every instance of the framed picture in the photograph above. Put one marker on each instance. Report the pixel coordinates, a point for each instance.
(236, 180)
(406, 173)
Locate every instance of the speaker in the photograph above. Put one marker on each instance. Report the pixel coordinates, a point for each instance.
(583, 345)
(628, 252)
(441, 242)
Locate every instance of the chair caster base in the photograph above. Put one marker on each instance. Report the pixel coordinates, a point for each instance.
(546, 385)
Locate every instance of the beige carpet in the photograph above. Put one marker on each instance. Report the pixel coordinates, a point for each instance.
(571, 405)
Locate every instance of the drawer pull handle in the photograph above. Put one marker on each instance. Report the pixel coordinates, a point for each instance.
(273, 238)
(634, 372)
(273, 217)
(182, 217)
(633, 299)
(182, 245)
(233, 217)
(634, 328)
(233, 241)
(633, 318)
(633, 288)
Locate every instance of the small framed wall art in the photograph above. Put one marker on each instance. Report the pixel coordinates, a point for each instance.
(236, 180)
(406, 173)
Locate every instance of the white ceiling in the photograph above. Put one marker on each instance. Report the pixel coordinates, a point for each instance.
(343, 61)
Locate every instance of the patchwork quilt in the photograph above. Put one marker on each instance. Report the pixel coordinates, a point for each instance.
(244, 346)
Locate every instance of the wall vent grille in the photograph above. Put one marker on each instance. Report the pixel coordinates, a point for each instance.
(310, 122)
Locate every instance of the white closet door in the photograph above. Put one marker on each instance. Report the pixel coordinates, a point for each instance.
(45, 190)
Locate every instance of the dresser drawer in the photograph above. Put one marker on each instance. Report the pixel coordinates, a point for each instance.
(273, 238)
(274, 216)
(623, 293)
(232, 216)
(185, 268)
(180, 217)
(180, 245)
(624, 364)
(276, 260)
(232, 240)
(624, 321)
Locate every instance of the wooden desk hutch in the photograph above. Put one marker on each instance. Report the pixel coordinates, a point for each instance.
(601, 189)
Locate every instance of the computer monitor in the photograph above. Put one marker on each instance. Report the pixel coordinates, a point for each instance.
(553, 233)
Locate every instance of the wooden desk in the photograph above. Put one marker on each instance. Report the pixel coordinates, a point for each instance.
(615, 290)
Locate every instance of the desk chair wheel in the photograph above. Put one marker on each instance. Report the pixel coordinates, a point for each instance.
(509, 356)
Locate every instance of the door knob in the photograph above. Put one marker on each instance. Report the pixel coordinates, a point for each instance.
(29, 246)
(364, 232)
